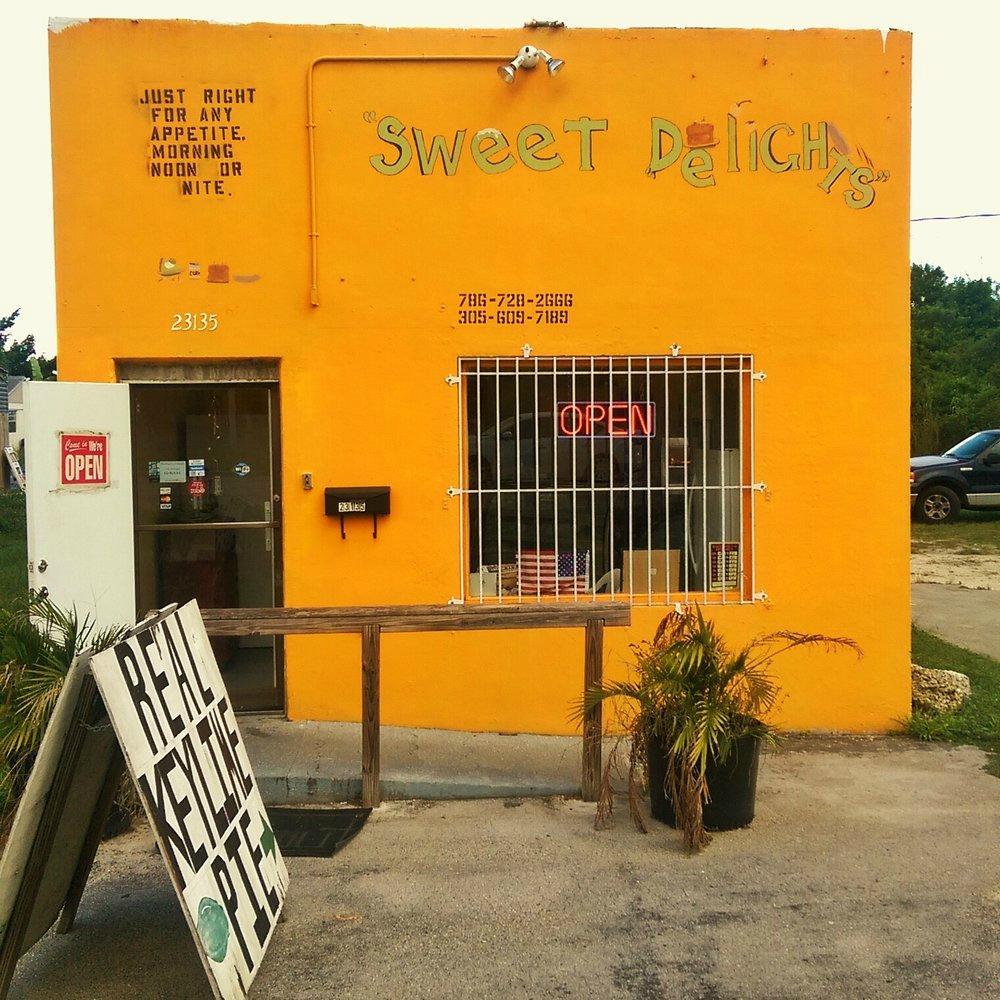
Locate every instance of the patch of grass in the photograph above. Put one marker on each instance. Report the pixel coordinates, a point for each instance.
(13, 570)
(976, 532)
(13, 549)
(13, 588)
(978, 722)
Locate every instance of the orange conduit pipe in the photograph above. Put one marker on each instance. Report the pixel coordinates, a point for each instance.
(311, 129)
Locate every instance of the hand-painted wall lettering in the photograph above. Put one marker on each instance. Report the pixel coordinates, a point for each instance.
(194, 136)
(748, 147)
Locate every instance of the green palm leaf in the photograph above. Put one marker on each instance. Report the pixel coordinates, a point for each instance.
(38, 642)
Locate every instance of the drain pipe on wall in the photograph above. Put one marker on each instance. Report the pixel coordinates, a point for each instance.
(526, 57)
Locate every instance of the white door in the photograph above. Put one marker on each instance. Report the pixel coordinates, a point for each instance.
(78, 464)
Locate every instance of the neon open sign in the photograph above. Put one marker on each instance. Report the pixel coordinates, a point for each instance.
(616, 420)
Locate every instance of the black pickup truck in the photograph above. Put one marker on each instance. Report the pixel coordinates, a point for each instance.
(967, 475)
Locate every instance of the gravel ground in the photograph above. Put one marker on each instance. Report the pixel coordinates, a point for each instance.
(871, 871)
(956, 567)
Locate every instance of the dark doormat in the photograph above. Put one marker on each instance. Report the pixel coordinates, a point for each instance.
(315, 833)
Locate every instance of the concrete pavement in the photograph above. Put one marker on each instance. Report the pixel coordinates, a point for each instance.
(964, 617)
(870, 872)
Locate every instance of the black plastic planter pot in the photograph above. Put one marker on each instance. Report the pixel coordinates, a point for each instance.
(732, 786)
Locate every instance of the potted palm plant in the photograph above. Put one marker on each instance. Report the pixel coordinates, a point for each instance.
(696, 716)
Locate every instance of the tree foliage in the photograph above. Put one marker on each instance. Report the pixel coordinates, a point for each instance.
(17, 355)
(955, 374)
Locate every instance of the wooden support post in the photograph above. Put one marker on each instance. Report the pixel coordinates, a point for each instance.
(593, 676)
(112, 782)
(370, 718)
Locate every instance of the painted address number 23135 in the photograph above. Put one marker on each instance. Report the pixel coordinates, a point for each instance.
(195, 321)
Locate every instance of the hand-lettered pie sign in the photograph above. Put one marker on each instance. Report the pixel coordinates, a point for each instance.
(173, 718)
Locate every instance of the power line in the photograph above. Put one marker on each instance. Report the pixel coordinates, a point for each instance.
(945, 218)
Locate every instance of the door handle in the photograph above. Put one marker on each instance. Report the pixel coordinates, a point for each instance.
(42, 566)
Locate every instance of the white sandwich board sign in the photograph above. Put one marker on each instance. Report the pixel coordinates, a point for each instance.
(175, 724)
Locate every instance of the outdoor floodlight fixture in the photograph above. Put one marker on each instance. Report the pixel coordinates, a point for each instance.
(527, 58)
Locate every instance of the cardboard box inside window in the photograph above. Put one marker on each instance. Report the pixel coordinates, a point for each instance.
(643, 569)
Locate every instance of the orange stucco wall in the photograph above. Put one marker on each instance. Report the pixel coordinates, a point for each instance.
(788, 265)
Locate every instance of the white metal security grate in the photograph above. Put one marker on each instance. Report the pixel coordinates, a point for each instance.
(628, 477)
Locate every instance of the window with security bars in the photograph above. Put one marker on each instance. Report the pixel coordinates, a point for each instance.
(623, 477)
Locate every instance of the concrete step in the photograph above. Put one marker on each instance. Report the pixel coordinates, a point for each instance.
(303, 762)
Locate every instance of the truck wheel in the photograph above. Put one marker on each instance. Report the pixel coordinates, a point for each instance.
(937, 505)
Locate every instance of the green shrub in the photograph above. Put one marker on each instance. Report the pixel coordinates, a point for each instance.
(38, 642)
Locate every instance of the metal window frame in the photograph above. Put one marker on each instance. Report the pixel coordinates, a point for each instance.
(648, 367)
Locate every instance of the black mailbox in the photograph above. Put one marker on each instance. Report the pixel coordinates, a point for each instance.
(348, 501)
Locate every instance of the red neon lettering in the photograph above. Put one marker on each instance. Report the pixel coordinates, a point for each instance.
(575, 411)
(594, 413)
(640, 421)
(618, 421)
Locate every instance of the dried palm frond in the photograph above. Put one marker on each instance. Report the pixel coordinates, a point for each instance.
(635, 789)
(604, 814)
(688, 793)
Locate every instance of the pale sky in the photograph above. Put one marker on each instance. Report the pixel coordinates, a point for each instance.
(956, 83)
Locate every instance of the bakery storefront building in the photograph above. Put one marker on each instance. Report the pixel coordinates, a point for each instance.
(548, 315)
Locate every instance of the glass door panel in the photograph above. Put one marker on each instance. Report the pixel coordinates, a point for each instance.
(206, 516)
(202, 454)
